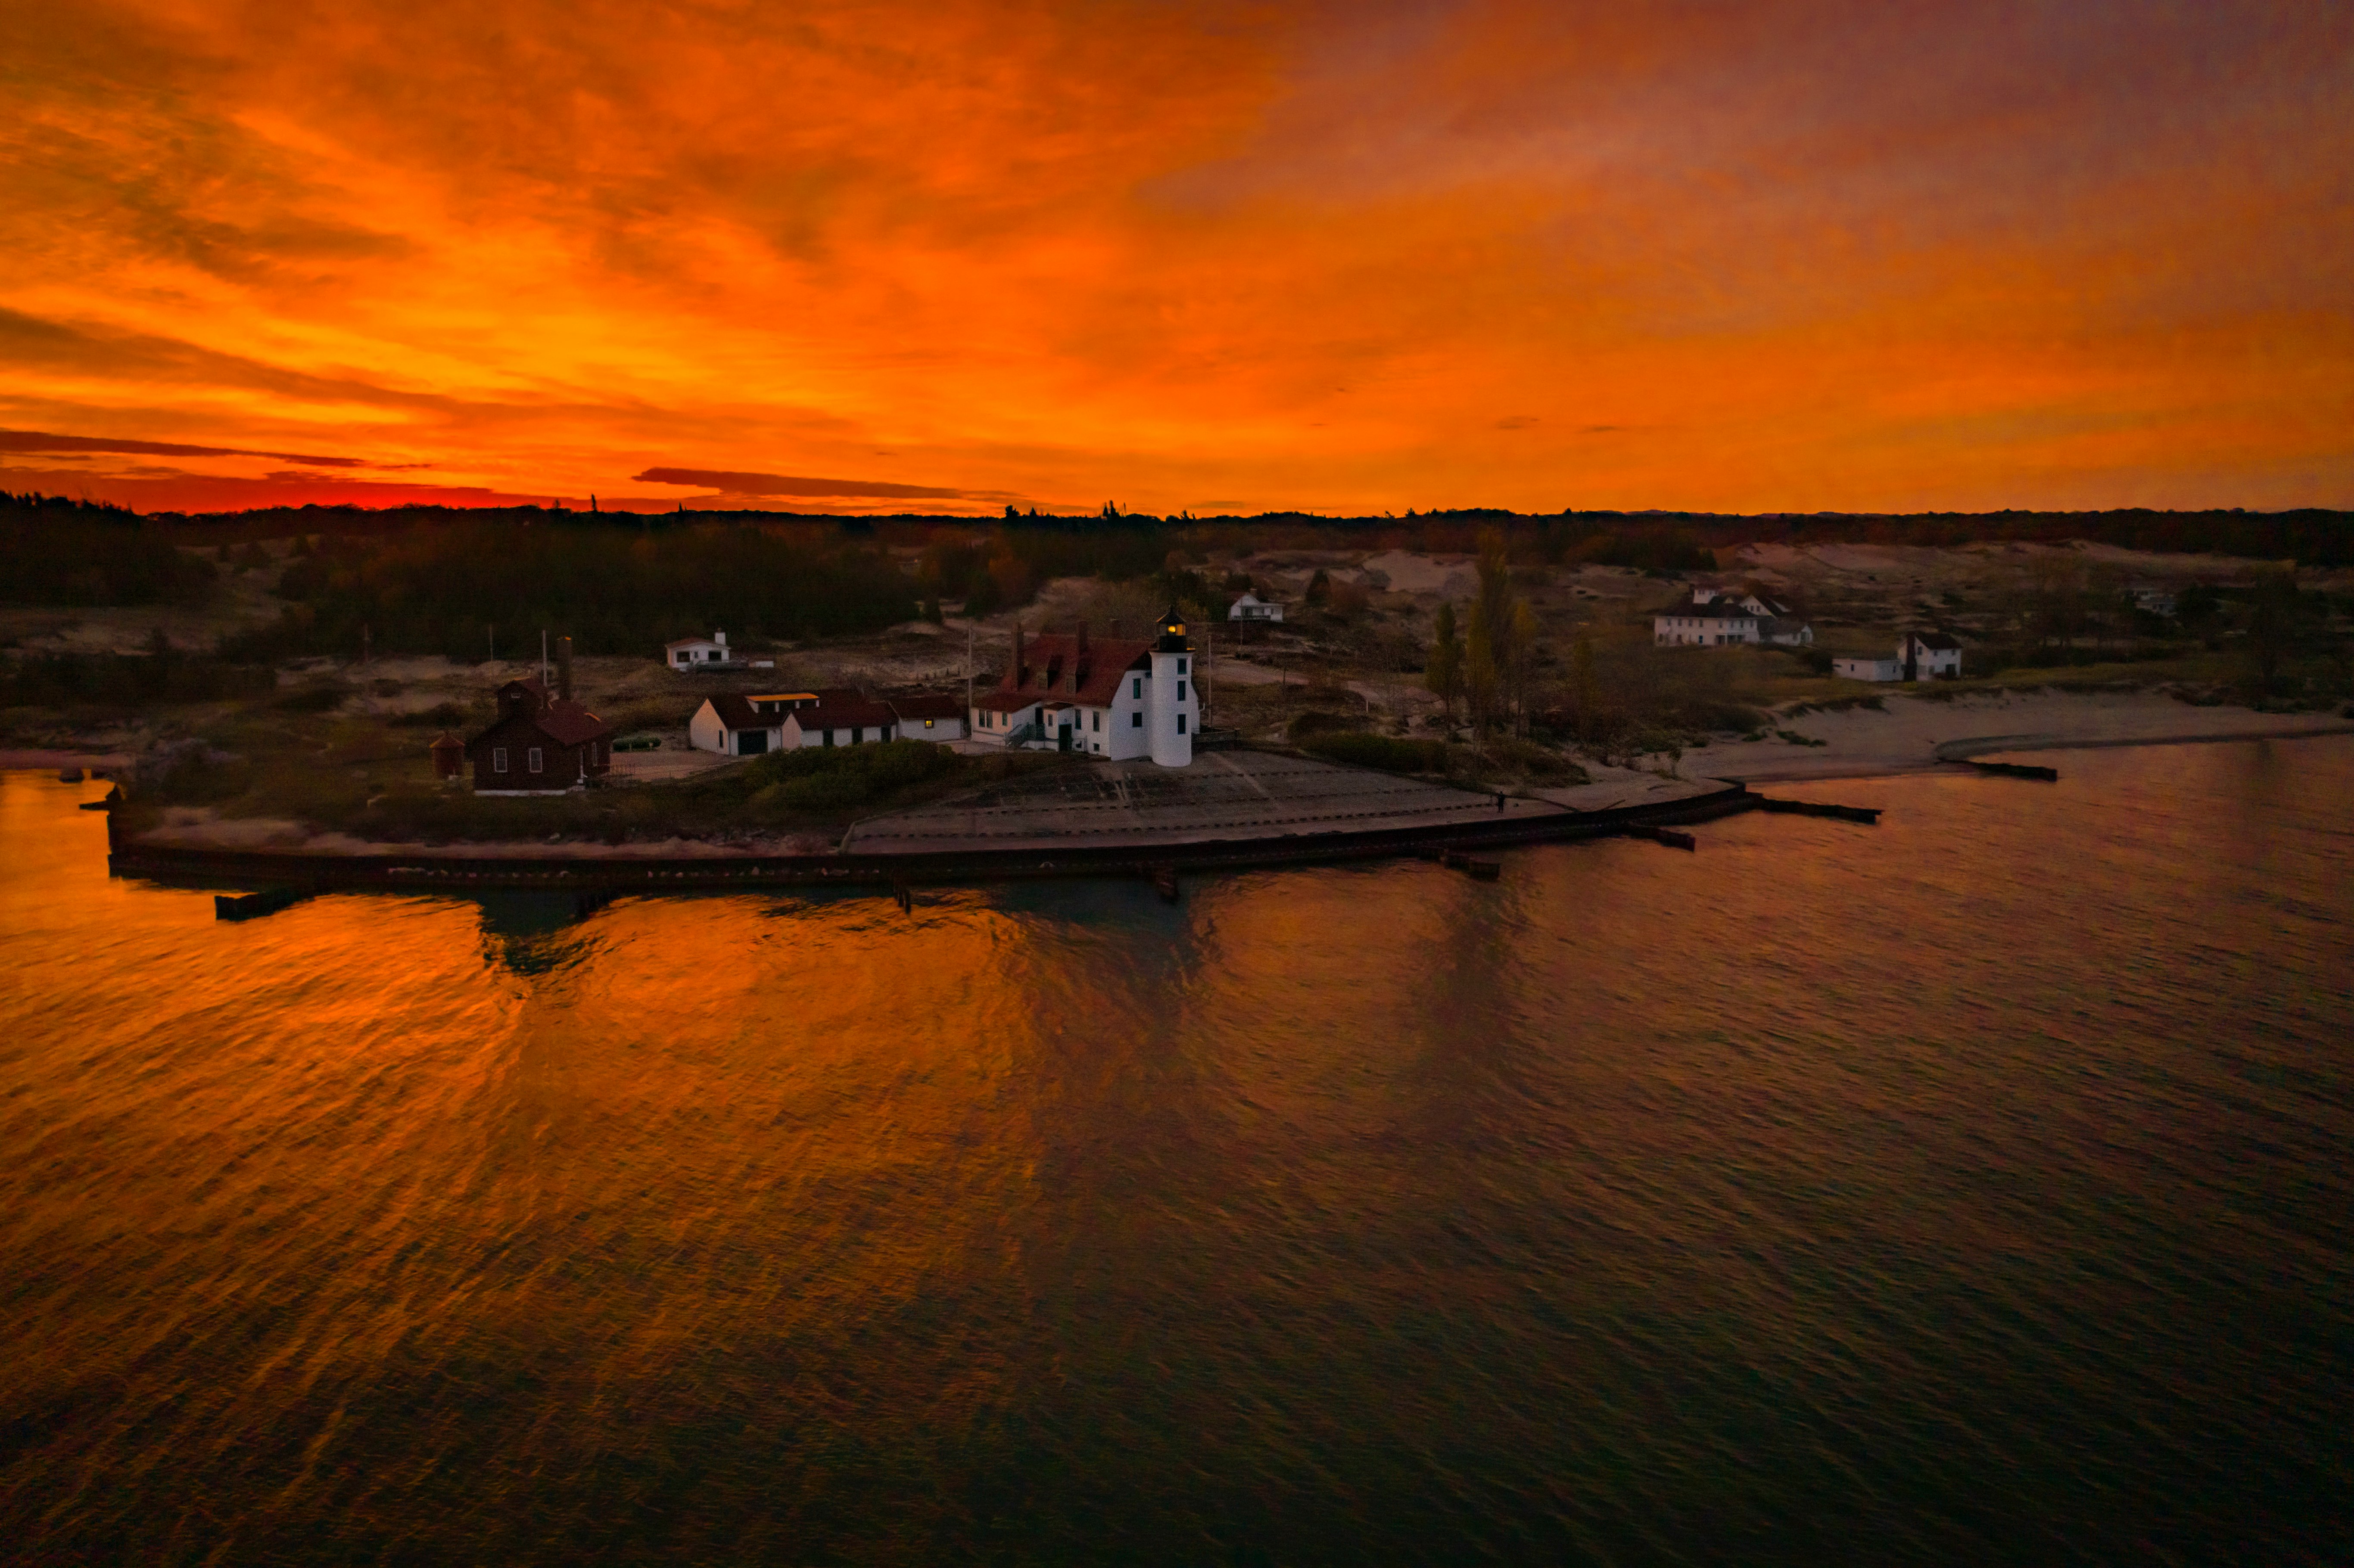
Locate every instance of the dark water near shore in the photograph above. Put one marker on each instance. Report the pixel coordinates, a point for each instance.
(1974, 1188)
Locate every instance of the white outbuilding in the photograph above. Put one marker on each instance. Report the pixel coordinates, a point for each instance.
(1250, 607)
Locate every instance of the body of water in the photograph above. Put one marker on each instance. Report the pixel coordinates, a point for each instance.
(1972, 1188)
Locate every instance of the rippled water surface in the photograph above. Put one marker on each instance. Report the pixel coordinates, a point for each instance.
(1973, 1188)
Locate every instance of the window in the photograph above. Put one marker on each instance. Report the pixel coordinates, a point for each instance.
(1181, 690)
(1096, 719)
(1181, 667)
(1136, 721)
(682, 655)
(1181, 724)
(1138, 689)
(531, 759)
(498, 760)
(928, 724)
(829, 737)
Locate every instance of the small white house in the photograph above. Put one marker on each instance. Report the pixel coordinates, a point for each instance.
(1930, 656)
(1250, 607)
(689, 652)
(1922, 656)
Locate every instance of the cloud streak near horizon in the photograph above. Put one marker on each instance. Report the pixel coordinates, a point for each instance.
(1786, 255)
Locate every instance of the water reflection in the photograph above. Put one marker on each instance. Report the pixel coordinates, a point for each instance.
(1918, 1180)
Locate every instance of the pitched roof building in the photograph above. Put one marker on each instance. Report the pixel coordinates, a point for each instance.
(542, 743)
(1117, 698)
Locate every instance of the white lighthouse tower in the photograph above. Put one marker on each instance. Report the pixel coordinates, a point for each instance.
(1172, 706)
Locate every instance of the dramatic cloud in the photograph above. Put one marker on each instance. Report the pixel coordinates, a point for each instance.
(1196, 253)
(42, 441)
(729, 483)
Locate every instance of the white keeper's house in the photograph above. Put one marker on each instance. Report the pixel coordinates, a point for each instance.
(1922, 656)
(1113, 698)
(1716, 619)
(745, 724)
(1250, 607)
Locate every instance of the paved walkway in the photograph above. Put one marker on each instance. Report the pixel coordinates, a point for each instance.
(1223, 795)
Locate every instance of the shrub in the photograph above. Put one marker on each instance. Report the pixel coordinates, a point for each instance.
(314, 698)
(1317, 722)
(1385, 752)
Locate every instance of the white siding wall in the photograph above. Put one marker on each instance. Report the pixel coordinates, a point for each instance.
(704, 732)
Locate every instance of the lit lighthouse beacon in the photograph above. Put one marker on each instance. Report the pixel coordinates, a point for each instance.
(1174, 706)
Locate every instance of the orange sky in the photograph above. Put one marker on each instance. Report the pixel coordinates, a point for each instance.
(939, 254)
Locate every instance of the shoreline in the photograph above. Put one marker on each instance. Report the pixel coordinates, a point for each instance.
(1955, 752)
(269, 854)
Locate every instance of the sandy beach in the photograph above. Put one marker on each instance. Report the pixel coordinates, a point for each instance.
(1912, 734)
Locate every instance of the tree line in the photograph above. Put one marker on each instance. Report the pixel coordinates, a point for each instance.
(62, 551)
(472, 590)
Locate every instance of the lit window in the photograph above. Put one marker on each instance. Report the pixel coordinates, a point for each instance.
(928, 724)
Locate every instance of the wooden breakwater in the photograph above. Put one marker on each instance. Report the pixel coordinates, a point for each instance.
(617, 875)
(1816, 809)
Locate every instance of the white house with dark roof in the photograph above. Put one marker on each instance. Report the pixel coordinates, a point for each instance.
(1115, 698)
(1716, 619)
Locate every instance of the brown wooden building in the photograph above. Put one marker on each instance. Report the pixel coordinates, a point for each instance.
(540, 743)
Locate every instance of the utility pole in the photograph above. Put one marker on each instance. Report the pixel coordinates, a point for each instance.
(542, 656)
(491, 630)
(967, 678)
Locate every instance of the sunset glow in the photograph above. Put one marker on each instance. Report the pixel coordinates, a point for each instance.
(870, 255)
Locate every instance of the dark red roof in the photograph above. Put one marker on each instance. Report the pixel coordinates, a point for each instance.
(565, 724)
(843, 713)
(736, 713)
(1055, 667)
(930, 706)
(571, 723)
(1005, 702)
